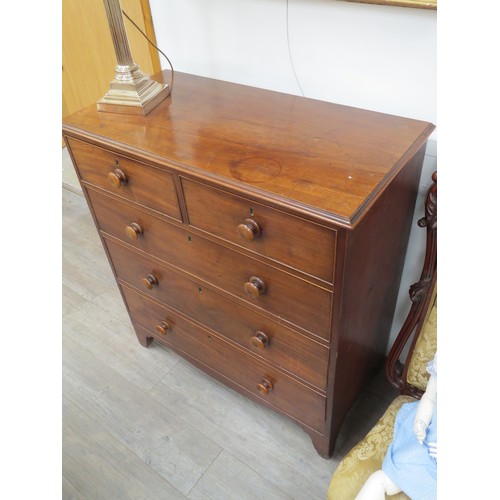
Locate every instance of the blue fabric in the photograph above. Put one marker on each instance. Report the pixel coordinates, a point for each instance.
(407, 462)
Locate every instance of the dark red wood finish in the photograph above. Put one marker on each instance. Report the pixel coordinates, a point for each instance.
(259, 234)
(422, 294)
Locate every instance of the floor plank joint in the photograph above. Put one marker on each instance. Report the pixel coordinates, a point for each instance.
(144, 423)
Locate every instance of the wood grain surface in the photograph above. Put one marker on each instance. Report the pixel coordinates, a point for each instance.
(293, 210)
(263, 454)
(331, 158)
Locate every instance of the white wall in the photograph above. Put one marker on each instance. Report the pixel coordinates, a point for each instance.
(370, 56)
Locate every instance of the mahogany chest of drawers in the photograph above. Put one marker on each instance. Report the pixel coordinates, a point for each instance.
(260, 235)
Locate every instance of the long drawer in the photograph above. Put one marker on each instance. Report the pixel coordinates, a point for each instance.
(299, 355)
(297, 301)
(262, 380)
(283, 237)
(132, 180)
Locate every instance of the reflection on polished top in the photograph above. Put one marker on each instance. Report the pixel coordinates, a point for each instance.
(329, 159)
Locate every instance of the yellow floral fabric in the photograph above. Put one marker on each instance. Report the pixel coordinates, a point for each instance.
(424, 351)
(366, 457)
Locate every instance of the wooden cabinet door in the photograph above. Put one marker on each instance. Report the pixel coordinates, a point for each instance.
(88, 55)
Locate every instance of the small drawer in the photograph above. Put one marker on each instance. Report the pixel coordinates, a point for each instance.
(258, 378)
(296, 302)
(299, 355)
(135, 181)
(285, 238)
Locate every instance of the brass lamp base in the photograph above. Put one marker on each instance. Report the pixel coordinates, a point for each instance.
(137, 98)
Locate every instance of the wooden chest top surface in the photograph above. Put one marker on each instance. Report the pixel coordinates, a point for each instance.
(330, 159)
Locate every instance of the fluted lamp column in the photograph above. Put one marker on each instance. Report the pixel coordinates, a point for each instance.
(131, 92)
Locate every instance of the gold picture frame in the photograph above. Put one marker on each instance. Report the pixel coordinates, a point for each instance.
(416, 4)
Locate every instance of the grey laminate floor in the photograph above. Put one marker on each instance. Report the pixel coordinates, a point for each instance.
(144, 424)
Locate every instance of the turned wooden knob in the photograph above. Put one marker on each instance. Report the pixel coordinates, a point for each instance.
(265, 386)
(249, 230)
(260, 340)
(133, 230)
(117, 178)
(163, 327)
(150, 281)
(254, 287)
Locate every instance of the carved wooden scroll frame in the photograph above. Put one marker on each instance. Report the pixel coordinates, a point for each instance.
(420, 294)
